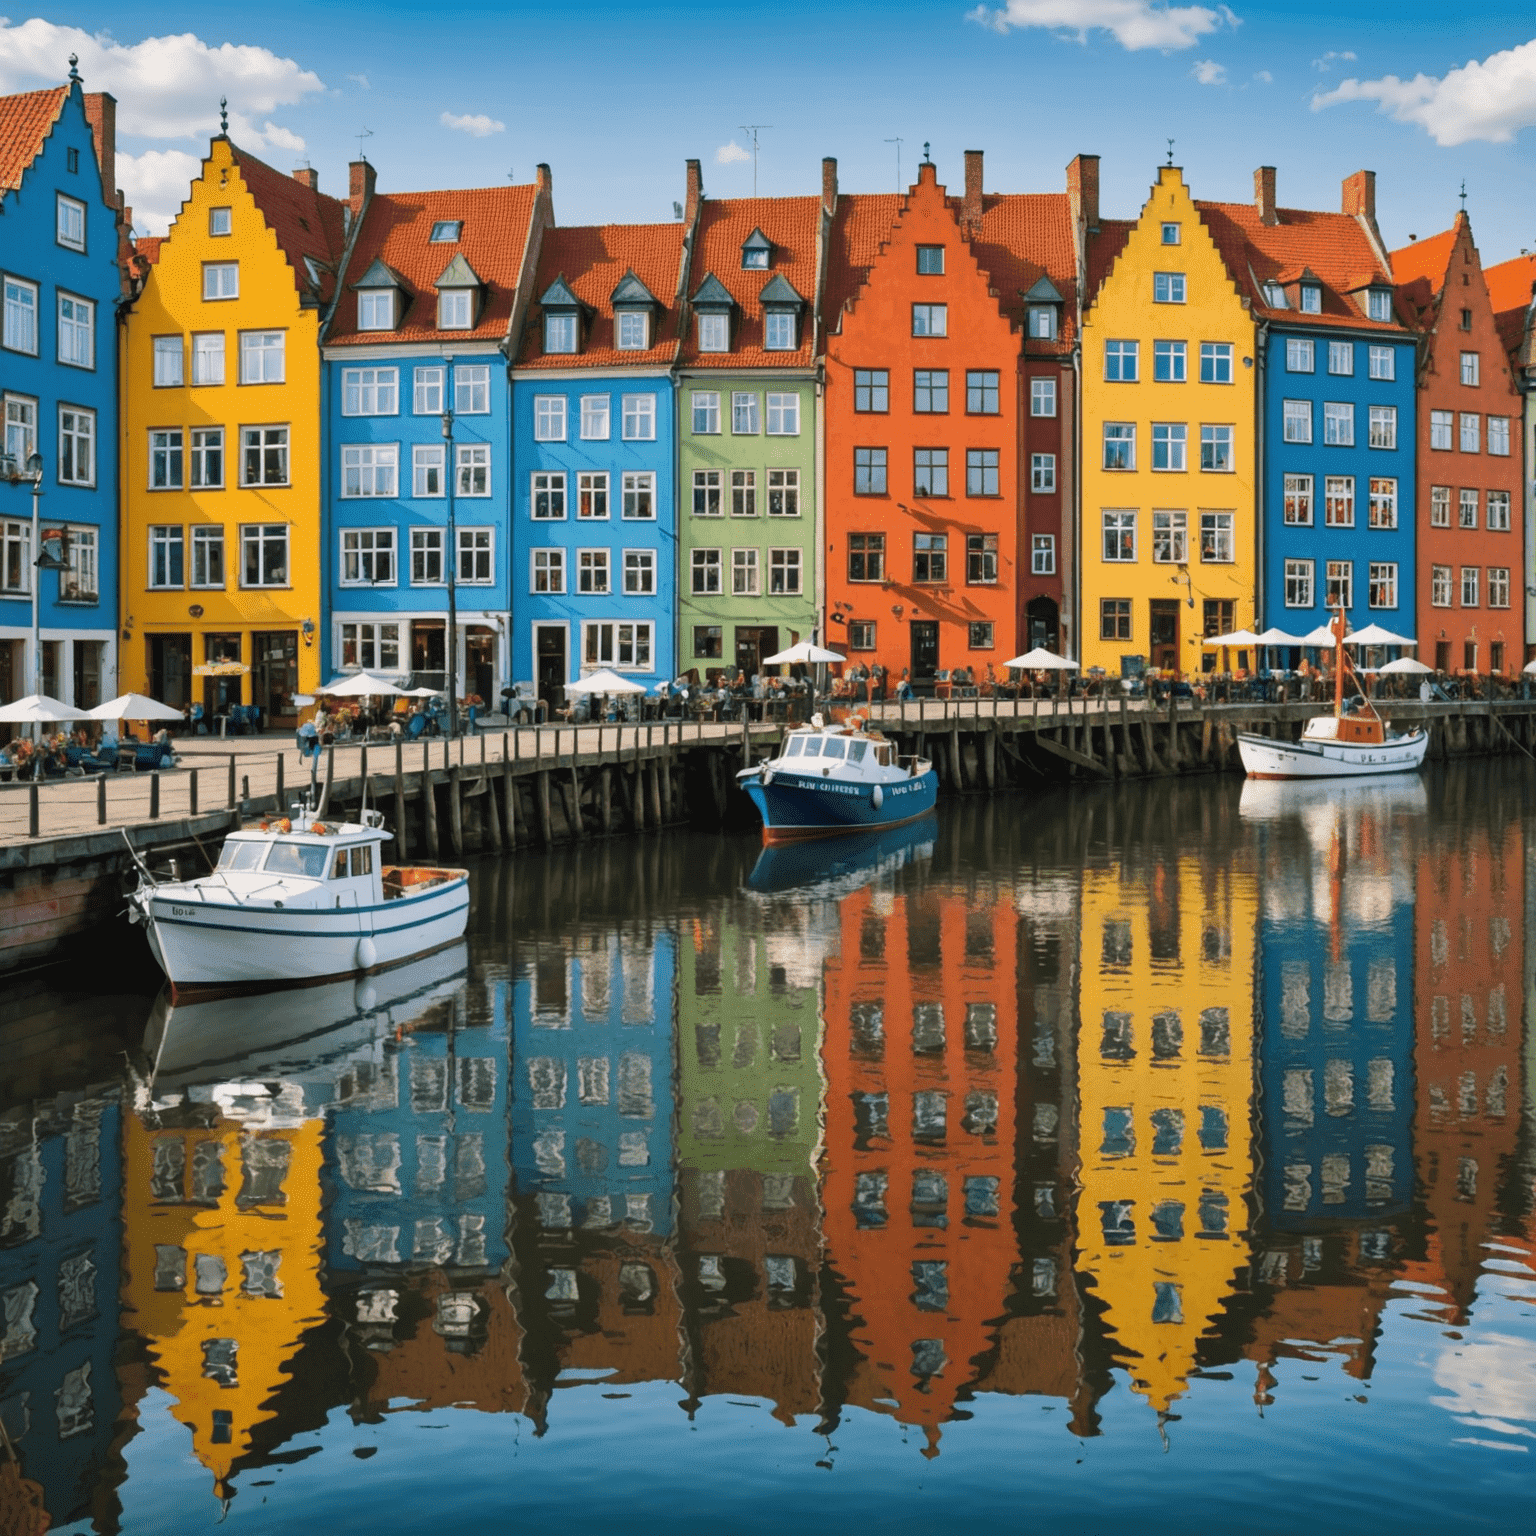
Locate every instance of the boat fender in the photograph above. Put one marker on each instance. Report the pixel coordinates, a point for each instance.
(877, 797)
(767, 774)
(367, 955)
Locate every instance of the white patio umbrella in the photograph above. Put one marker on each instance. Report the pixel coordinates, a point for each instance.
(604, 681)
(422, 693)
(133, 706)
(1041, 660)
(1279, 637)
(1530, 667)
(361, 685)
(1374, 634)
(39, 709)
(1406, 664)
(1237, 637)
(805, 653)
(1322, 635)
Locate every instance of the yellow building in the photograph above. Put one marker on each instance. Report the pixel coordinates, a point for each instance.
(220, 441)
(1165, 1087)
(1168, 474)
(221, 1221)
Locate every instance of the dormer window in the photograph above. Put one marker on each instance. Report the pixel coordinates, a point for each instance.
(714, 333)
(1311, 299)
(457, 290)
(559, 333)
(1043, 309)
(782, 308)
(446, 232)
(1042, 322)
(713, 304)
(562, 317)
(1274, 296)
(1378, 304)
(779, 332)
(379, 293)
(756, 251)
(634, 330)
(634, 314)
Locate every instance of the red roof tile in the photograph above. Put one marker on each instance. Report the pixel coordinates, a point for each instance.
(1023, 237)
(1104, 248)
(25, 122)
(593, 261)
(397, 229)
(306, 223)
(792, 224)
(859, 228)
(1509, 290)
(1425, 259)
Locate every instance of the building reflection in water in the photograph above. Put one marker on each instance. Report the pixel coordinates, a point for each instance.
(1151, 1084)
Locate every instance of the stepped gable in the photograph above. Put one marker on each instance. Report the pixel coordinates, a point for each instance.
(1022, 238)
(308, 224)
(791, 225)
(593, 260)
(26, 120)
(860, 229)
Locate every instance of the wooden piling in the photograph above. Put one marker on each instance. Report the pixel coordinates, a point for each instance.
(578, 826)
(402, 849)
(605, 798)
(192, 790)
(429, 808)
(655, 809)
(509, 796)
(231, 781)
(492, 820)
(282, 802)
(664, 768)
(456, 810)
(546, 814)
(101, 800)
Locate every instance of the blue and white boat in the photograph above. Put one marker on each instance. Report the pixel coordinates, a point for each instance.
(829, 779)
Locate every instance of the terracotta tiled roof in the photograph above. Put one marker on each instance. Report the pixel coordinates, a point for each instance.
(859, 228)
(593, 261)
(1331, 247)
(397, 229)
(1104, 249)
(791, 224)
(306, 223)
(25, 122)
(1509, 290)
(1023, 237)
(1425, 259)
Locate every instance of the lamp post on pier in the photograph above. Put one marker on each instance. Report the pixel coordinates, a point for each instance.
(451, 558)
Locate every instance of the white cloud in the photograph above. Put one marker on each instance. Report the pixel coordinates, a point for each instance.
(1134, 24)
(1264, 76)
(166, 87)
(155, 185)
(1209, 72)
(731, 154)
(477, 126)
(1492, 99)
(360, 81)
(1332, 57)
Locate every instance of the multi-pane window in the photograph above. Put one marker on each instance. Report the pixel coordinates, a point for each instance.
(549, 418)
(1122, 361)
(548, 572)
(472, 389)
(1341, 358)
(785, 570)
(1383, 507)
(1466, 516)
(861, 634)
(1042, 554)
(165, 460)
(1498, 511)
(1470, 575)
(595, 418)
(208, 357)
(783, 415)
(1114, 618)
(1498, 436)
(208, 458)
(1298, 500)
(869, 471)
(476, 556)
(77, 331)
(1382, 590)
(1339, 501)
(591, 570)
(1383, 430)
(455, 308)
(427, 392)
(20, 428)
(264, 554)
(1042, 322)
(548, 496)
(639, 420)
(1297, 426)
(1298, 583)
(981, 559)
(18, 331)
(1439, 506)
(706, 412)
(930, 320)
(376, 309)
(1215, 362)
(783, 493)
(779, 331)
(1383, 363)
(705, 565)
(930, 557)
(981, 635)
(1119, 445)
(1042, 472)
(1300, 355)
(81, 582)
(871, 389)
(744, 413)
(474, 469)
(1170, 362)
(1440, 586)
(1170, 537)
(707, 493)
(1498, 586)
(167, 556)
(981, 472)
(714, 333)
(77, 446)
(208, 557)
(1042, 397)
(634, 330)
(426, 557)
(1378, 304)
(1168, 288)
(592, 495)
(1440, 429)
(1471, 372)
(930, 260)
(866, 557)
(1311, 299)
(1119, 535)
(16, 556)
(221, 280)
(559, 333)
(1170, 445)
(617, 645)
(261, 357)
(1340, 578)
(639, 490)
(1216, 449)
(367, 557)
(367, 391)
(427, 469)
(371, 647)
(745, 577)
(981, 392)
(1339, 423)
(930, 472)
(639, 572)
(743, 493)
(1216, 542)
(930, 390)
(1471, 431)
(370, 469)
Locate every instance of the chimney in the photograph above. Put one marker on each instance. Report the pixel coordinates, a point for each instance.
(1360, 195)
(1264, 194)
(695, 193)
(1083, 189)
(970, 207)
(101, 114)
(360, 185)
(543, 178)
(307, 176)
(829, 186)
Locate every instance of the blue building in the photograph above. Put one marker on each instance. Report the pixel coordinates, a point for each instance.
(415, 349)
(59, 242)
(594, 445)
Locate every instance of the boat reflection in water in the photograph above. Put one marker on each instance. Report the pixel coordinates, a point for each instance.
(1130, 1117)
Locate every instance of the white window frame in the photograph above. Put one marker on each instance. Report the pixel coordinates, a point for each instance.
(1442, 587)
(260, 352)
(376, 309)
(559, 334)
(1468, 501)
(1300, 583)
(1120, 433)
(1498, 436)
(1381, 579)
(1122, 361)
(634, 485)
(1300, 354)
(367, 641)
(259, 536)
(1296, 421)
(638, 422)
(1381, 429)
(592, 487)
(1342, 489)
(472, 389)
(167, 541)
(1470, 438)
(930, 320)
(19, 329)
(786, 571)
(1339, 423)
(1341, 359)
(1498, 586)
(167, 446)
(206, 538)
(1216, 362)
(1341, 572)
(781, 418)
(1221, 530)
(549, 413)
(550, 484)
(546, 571)
(1042, 397)
(427, 390)
(1381, 502)
(370, 471)
(427, 460)
(632, 330)
(714, 332)
(77, 441)
(427, 551)
(1471, 583)
(744, 413)
(221, 281)
(81, 583)
(743, 493)
(280, 443)
(364, 550)
(594, 572)
(169, 356)
(76, 331)
(705, 412)
(1378, 305)
(1042, 554)
(639, 567)
(779, 331)
(1439, 506)
(1211, 439)
(746, 573)
(1042, 474)
(478, 546)
(1170, 288)
(207, 359)
(1170, 362)
(1498, 513)
(369, 391)
(1170, 536)
(1175, 445)
(596, 418)
(69, 215)
(455, 309)
(472, 470)
(1383, 364)
(1303, 489)
(1442, 431)
(603, 642)
(1471, 370)
(705, 572)
(1125, 521)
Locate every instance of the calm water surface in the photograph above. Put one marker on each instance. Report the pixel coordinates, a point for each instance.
(1162, 1153)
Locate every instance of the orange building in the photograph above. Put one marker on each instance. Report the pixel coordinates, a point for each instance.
(1471, 495)
(921, 1034)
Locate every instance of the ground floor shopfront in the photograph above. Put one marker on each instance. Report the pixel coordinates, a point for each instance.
(216, 668)
(79, 666)
(410, 649)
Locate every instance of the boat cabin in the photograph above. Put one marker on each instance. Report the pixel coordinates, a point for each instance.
(830, 745)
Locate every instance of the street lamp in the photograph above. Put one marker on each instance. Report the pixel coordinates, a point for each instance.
(35, 475)
(451, 555)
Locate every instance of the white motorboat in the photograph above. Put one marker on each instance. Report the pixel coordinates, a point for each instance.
(298, 900)
(1353, 743)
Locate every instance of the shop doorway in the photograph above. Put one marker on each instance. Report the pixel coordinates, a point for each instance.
(1163, 634)
(275, 677)
(925, 649)
(169, 667)
(480, 664)
(550, 673)
(1044, 621)
(88, 673)
(752, 645)
(429, 664)
(220, 692)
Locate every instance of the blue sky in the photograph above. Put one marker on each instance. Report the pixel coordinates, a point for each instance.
(615, 97)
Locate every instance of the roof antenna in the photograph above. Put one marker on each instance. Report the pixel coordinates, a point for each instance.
(367, 133)
(224, 114)
(927, 158)
(897, 143)
(1463, 194)
(754, 129)
(677, 209)
(1170, 151)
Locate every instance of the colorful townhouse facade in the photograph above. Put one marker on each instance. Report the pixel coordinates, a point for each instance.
(1512, 291)
(1471, 476)
(60, 232)
(415, 353)
(221, 448)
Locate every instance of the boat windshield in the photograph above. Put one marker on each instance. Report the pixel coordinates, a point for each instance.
(297, 859)
(242, 855)
(813, 746)
(794, 746)
(833, 746)
(856, 751)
